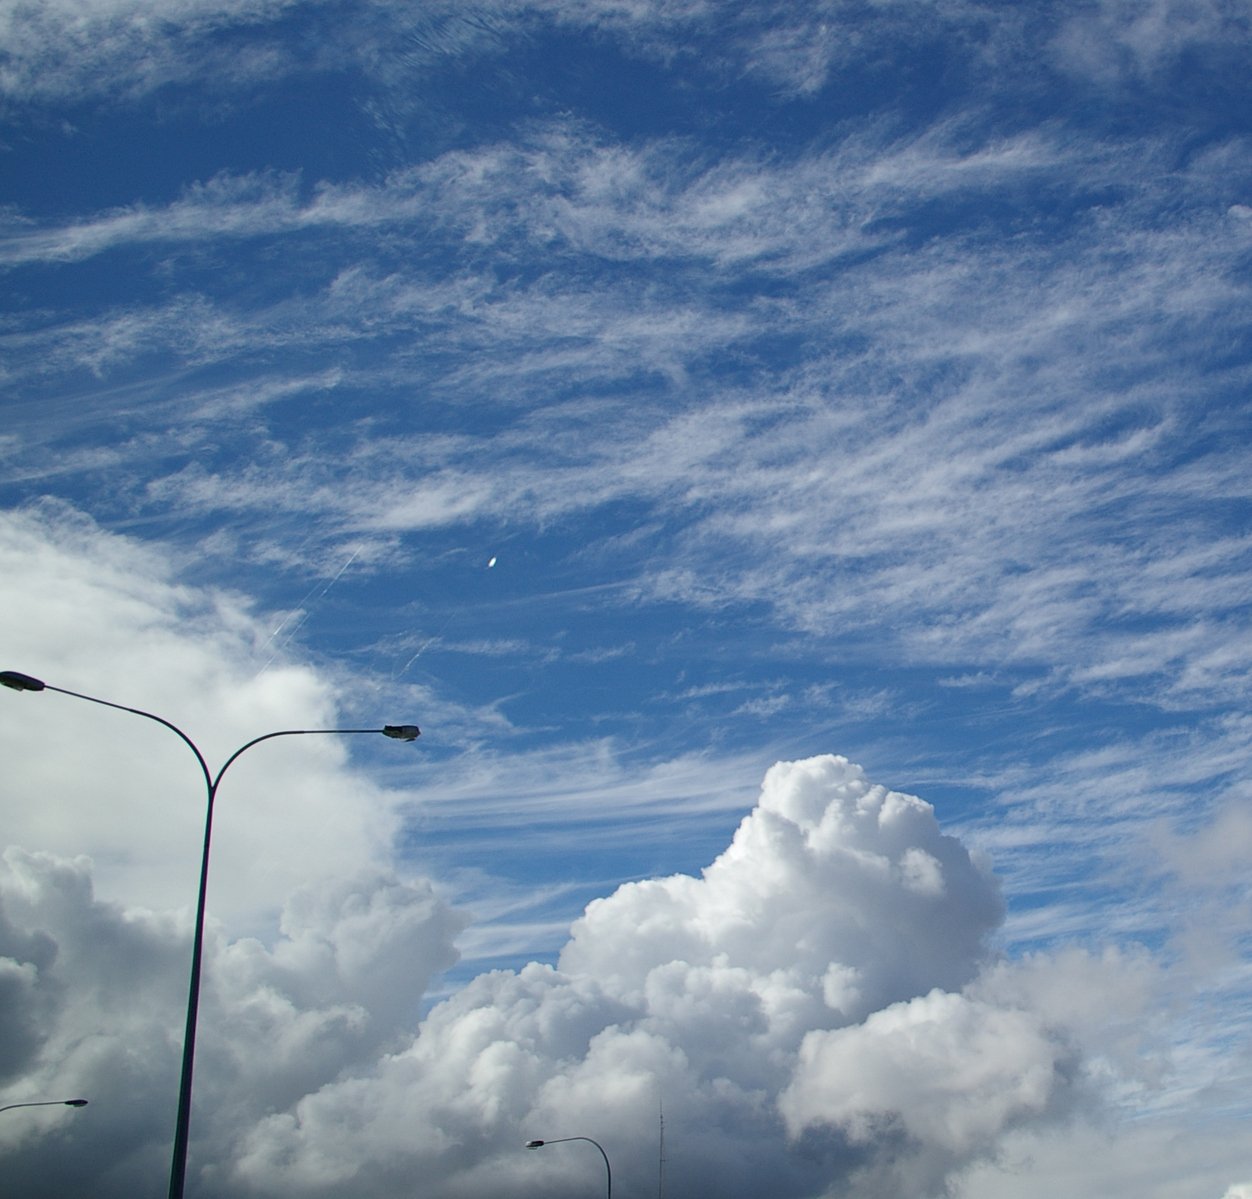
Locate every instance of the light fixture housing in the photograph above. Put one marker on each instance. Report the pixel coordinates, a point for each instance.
(402, 732)
(17, 681)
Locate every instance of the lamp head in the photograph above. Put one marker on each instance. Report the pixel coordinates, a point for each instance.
(20, 682)
(76, 1103)
(534, 1144)
(402, 732)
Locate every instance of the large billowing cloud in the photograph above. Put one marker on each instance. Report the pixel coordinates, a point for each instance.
(94, 996)
(819, 1011)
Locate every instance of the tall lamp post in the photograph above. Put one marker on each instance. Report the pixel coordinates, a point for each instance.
(399, 732)
(8, 1107)
(608, 1170)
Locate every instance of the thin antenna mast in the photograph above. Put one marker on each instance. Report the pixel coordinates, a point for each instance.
(660, 1187)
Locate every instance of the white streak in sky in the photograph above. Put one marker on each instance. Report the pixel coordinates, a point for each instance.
(304, 613)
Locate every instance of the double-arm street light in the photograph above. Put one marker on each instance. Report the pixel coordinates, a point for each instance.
(8, 1107)
(608, 1170)
(399, 732)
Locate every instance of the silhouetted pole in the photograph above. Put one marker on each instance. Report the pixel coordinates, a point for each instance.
(182, 1127)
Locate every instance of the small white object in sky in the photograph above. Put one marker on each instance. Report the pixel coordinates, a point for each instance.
(491, 563)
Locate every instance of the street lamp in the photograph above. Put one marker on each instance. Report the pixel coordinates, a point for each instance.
(608, 1170)
(399, 732)
(46, 1103)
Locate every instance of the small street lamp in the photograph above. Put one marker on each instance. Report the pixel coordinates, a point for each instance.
(608, 1170)
(46, 1103)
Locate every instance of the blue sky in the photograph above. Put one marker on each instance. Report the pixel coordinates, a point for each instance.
(634, 395)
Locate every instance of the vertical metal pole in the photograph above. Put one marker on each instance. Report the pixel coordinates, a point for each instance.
(182, 1126)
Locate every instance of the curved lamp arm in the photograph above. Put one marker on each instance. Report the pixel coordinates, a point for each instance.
(17, 681)
(608, 1170)
(8, 1107)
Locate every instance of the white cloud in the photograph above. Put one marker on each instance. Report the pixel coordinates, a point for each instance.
(819, 1008)
(945, 1071)
(76, 48)
(1149, 1159)
(717, 995)
(125, 49)
(822, 840)
(100, 1007)
(104, 616)
(1114, 41)
(1062, 528)
(954, 398)
(587, 195)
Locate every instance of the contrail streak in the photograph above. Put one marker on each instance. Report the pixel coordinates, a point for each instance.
(303, 611)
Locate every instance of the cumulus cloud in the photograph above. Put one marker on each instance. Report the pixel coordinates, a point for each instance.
(96, 994)
(820, 1010)
(813, 1011)
(821, 840)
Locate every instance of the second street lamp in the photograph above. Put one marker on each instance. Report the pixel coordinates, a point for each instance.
(399, 732)
(8, 1107)
(608, 1170)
